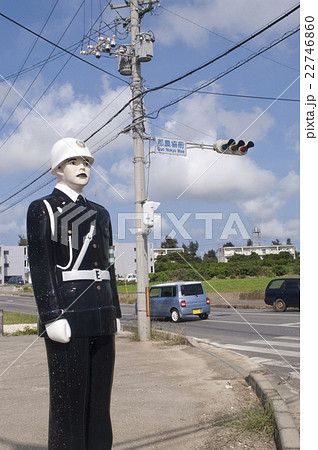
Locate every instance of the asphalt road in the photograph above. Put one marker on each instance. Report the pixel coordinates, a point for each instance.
(270, 338)
(24, 305)
(265, 336)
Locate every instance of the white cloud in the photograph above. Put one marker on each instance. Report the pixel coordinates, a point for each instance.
(201, 118)
(61, 113)
(244, 125)
(104, 188)
(13, 223)
(265, 207)
(292, 138)
(205, 174)
(276, 229)
(191, 21)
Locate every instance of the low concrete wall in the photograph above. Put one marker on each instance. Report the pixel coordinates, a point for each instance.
(9, 289)
(236, 295)
(245, 299)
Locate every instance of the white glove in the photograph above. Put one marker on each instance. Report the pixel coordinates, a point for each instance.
(59, 331)
(118, 327)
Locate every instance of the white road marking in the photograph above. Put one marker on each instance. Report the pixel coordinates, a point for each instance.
(290, 338)
(275, 343)
(268, 351)
(250, 323)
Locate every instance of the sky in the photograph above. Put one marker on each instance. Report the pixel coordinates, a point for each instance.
(46, 94)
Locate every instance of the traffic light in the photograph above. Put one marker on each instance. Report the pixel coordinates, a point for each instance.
(232, 147)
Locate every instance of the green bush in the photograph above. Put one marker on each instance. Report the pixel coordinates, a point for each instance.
(174, 267)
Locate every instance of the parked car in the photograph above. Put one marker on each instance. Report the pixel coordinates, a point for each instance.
(15, 280)
(131, 277)
(127, 278)
(178, 300)
(282, 293)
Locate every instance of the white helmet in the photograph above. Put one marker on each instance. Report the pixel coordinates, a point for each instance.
(68, 148)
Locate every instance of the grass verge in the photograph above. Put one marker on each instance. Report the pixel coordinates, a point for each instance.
(12, 318)
(161, 336)
(254, 420)
(221, 285)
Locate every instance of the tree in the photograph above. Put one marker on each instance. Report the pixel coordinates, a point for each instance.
(210, 256)
(169, 242)
(276, 242)
(192, 248)
(22, 240)
(288, 241)
(228, 244)
(249, 243)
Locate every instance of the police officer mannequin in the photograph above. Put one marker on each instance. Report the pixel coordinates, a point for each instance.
(70, 242)
(75, 174)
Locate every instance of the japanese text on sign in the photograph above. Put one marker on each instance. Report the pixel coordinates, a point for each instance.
(171, 146)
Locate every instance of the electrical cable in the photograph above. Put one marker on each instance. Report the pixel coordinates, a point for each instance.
(29, 52)
(35, 78)
(275, 21)
(58, 55)
(227, 52)
(220, 35)
(241, 63)
(164, 85)
(53, 178)
(237, 95)
(61, 48)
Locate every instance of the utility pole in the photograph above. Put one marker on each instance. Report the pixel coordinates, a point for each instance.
(140, 189)
(131, 56)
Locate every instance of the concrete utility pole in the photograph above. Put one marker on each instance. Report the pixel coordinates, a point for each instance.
(140, 190)
(144, 54)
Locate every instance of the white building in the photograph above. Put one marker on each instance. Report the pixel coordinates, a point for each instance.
(14, 262)
(125, 258)
(166, 251)
(224, 253)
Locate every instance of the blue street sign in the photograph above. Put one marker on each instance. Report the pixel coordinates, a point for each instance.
(171, 146)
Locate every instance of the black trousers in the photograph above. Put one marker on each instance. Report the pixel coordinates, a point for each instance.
(81, 377)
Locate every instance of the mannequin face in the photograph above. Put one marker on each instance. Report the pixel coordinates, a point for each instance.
(74, 173)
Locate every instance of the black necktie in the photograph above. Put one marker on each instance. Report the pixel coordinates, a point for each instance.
(80, 201)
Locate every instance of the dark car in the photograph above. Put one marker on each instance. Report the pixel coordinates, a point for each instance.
(15, 280)
(283, 293)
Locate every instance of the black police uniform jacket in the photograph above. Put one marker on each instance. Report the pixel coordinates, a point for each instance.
(72, 274)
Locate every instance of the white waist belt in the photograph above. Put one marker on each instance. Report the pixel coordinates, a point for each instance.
(95, 274)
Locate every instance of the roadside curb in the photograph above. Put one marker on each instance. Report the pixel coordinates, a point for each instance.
(262, 382)
(286, 433)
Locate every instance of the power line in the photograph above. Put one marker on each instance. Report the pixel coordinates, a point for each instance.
(30, 51)
(51, 58)
(237, 95)
(241, 63)
(257, 33)
(230, 50)
(100, 147)
(274, 22)
(220, 35)
(61, 48)
(35, 78)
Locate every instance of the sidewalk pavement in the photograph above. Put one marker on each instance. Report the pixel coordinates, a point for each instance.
(164, 397)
